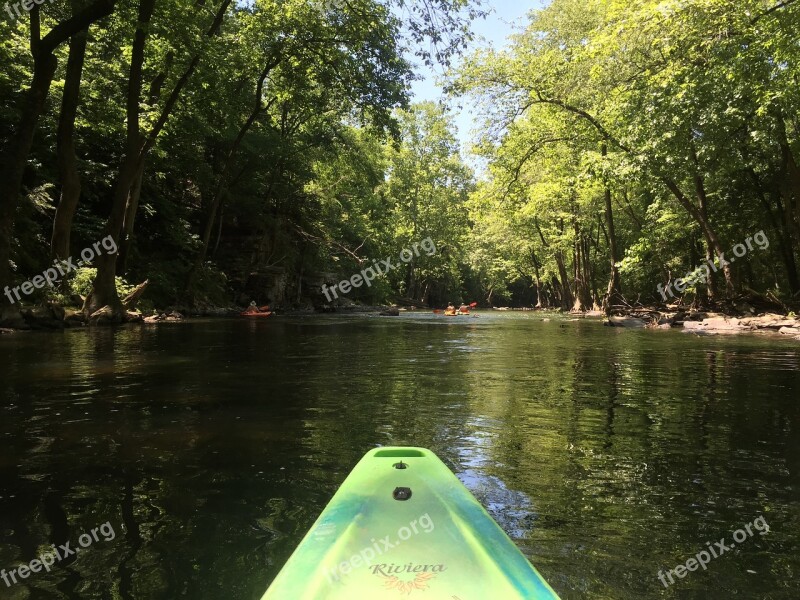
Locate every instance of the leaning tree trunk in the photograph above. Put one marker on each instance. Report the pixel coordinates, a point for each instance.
(709, 232)
(711, 283)
(65, 149)
(131, 206)
(104, 292)
(15, 155)
(791, 173)
(614, 292)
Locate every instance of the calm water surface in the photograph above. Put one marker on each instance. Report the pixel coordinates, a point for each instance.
(211, 446)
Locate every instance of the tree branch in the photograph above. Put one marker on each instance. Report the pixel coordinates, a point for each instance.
(585, 115)
(66, 29)
(769, 11)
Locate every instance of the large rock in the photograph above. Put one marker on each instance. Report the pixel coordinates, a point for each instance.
(716, 325)
(723, 324)
(629, 322)
(771, 321)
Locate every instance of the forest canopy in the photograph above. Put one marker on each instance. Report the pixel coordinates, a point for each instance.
(630, 142)
(256, 151)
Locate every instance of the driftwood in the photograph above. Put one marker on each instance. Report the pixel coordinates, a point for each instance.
(108, 316)
(129, 302)
(104, 316)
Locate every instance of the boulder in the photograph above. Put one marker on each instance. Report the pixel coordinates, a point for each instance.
(723, 324)
(771, 321)
(717, 325)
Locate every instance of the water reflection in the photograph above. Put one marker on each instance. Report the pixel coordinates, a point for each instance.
(212, 446)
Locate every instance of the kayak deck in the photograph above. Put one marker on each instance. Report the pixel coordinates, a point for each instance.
(403, 526)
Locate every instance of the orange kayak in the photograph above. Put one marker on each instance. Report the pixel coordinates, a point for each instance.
(256, 314)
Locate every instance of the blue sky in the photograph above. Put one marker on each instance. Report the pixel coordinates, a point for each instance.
(506, 17)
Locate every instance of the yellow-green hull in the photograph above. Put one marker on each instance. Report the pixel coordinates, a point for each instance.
(439, 543)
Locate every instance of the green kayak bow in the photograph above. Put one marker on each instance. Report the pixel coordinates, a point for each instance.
(403, 526)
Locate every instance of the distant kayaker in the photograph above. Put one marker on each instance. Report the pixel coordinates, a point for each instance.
(450, 310)
(253, 308)
(463, 309)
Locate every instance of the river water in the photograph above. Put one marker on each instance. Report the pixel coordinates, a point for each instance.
(209, 447)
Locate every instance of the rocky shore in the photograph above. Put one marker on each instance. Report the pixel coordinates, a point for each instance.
(52, 316)
(733, 321)
(709, 323)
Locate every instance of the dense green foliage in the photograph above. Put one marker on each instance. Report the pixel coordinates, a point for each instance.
(260, 150)
(241, 150)
(649, 135)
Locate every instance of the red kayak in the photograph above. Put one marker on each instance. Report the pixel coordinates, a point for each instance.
(256, 314)
(261, 311)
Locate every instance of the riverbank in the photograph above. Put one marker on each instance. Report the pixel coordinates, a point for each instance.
(709, 323)
(702, 322)
(51, 316)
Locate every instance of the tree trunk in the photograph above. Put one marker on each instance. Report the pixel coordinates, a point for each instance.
(16, 157)
(711, 283)
(15, 154)
(580, 272)
(708, 231)
(791, 172)
(781, 228)
(131, 206)
(538, 280)
(65, 149)
(104, 290)
(614, 291)
(567, 300)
